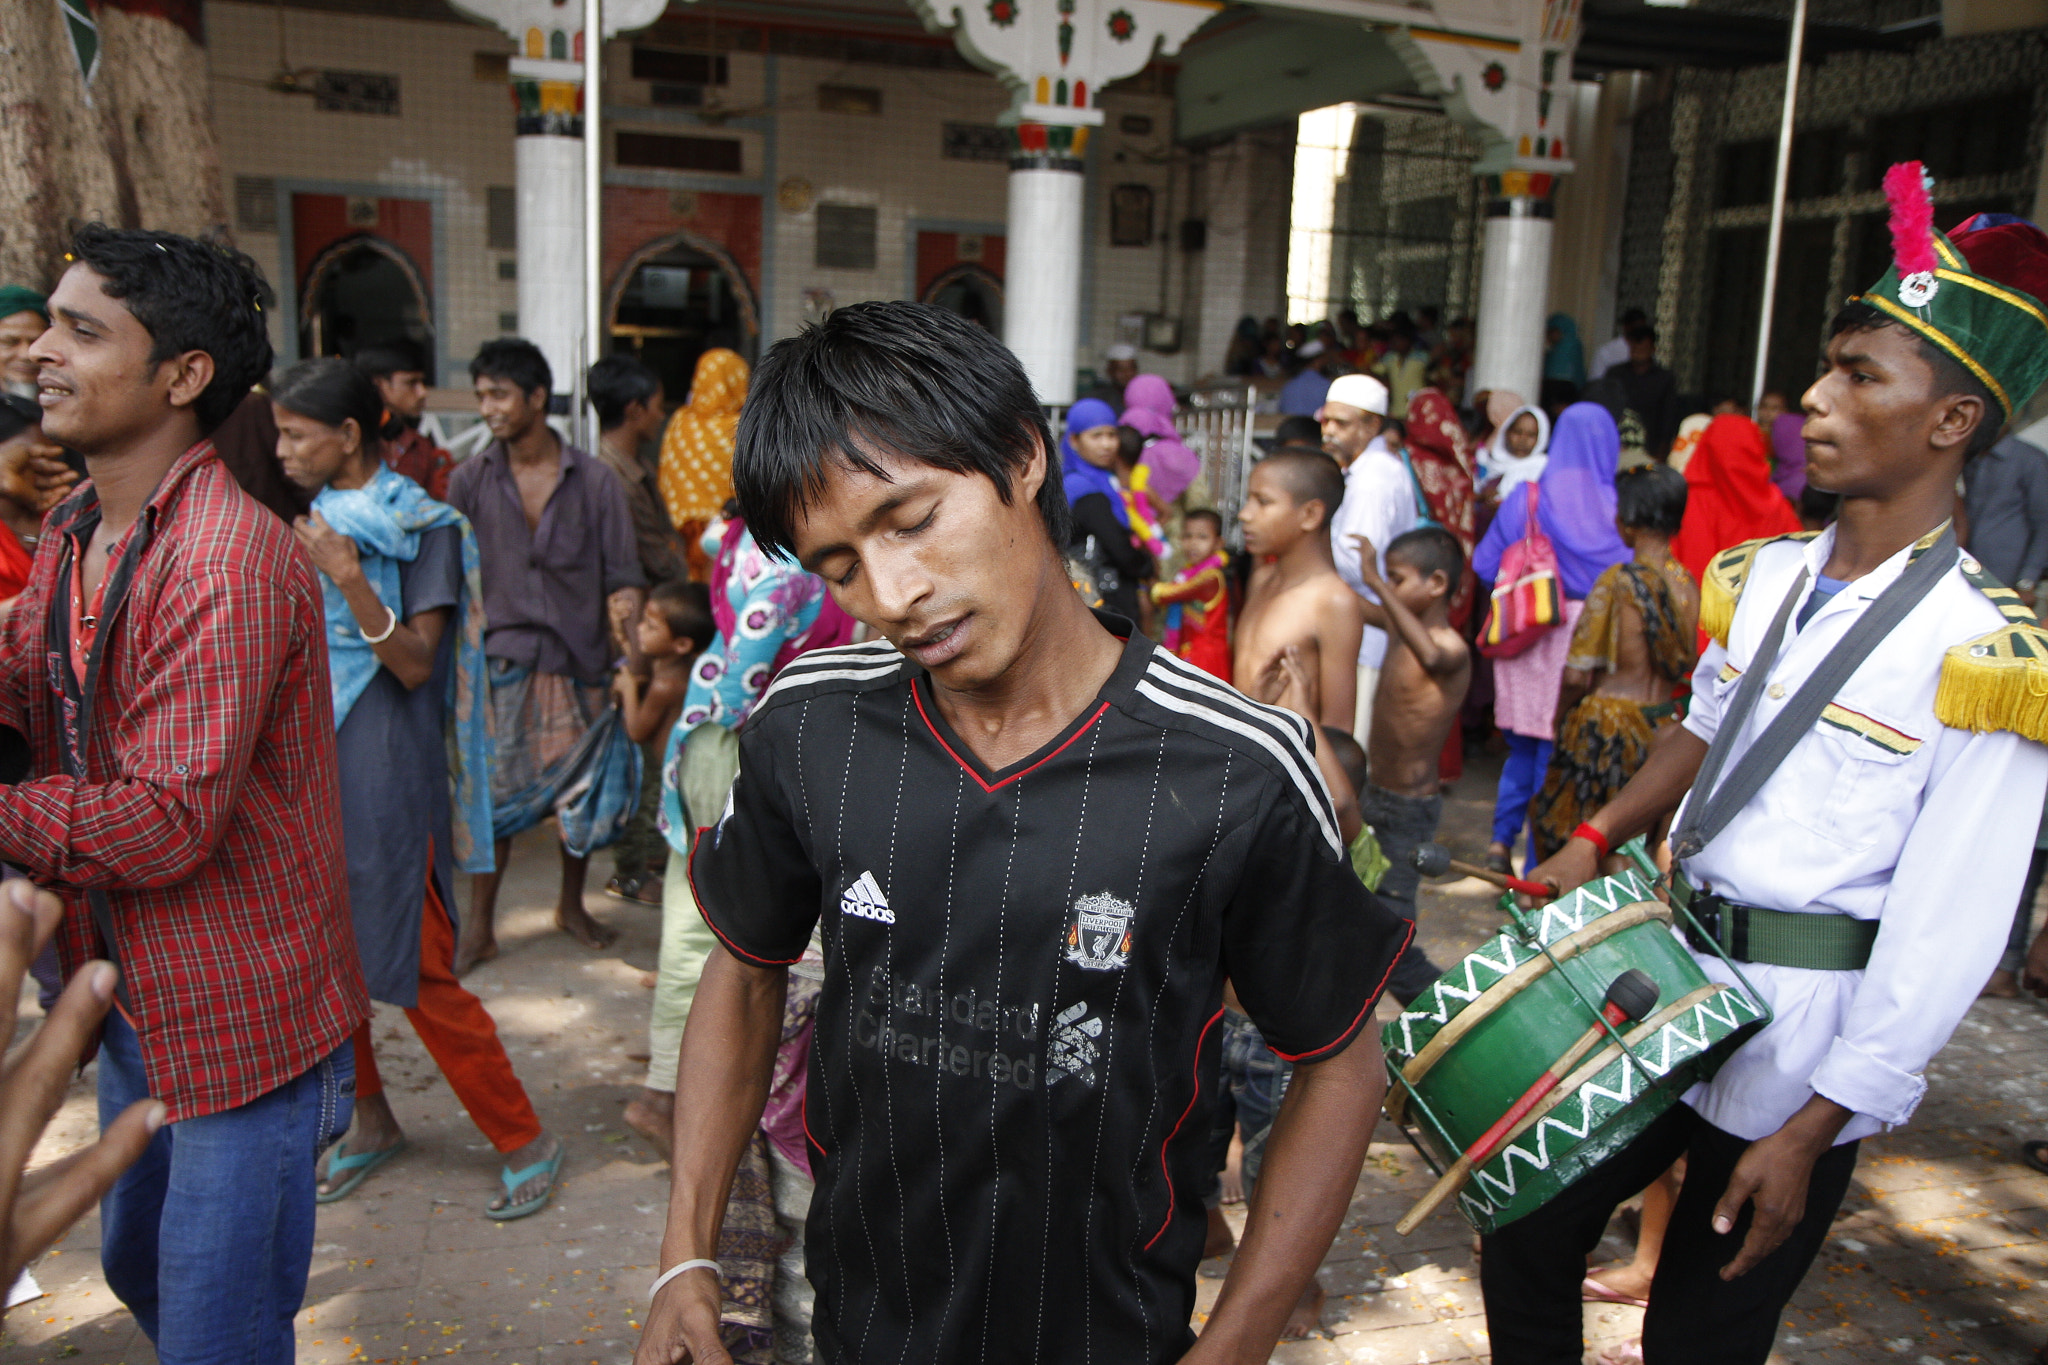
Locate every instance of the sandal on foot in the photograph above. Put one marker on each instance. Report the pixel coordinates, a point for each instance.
(551, 1168)
(635, 890)
(1593, 1290)
(2035, 1154)
(360, 1163)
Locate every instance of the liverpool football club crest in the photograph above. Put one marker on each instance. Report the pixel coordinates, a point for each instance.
(1099, 936)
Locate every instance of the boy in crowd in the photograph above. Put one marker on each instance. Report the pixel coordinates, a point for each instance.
(168, 666)
(674, 627)
(1421, 687)
(401, 382)
(1631, 653)
(1197, 601)
(1297, 598)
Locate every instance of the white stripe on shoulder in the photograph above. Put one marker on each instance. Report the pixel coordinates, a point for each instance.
(1209, 687)
(873, 651)
(787, 680)
(1308, 779)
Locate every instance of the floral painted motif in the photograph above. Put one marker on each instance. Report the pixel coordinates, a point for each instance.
(1122, 25)
(1494, 77)
(1002, 13)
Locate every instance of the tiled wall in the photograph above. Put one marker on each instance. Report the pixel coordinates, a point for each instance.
(453, 140)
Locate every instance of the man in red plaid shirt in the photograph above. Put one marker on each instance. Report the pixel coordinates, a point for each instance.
(168, 666)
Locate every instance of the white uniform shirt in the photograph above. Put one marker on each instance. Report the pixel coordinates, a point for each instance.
(1612, 352)
(1880, 812)
(1379, 504)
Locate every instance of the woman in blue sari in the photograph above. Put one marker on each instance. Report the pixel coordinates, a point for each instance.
(398, 572)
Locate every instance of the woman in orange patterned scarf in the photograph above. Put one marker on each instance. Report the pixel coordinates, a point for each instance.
(696, 449)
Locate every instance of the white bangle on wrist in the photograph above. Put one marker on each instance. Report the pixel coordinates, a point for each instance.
(674, 1271)
(390, 626)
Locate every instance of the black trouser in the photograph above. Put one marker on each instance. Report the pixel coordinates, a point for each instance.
(1403, 824)
(1530, 1270)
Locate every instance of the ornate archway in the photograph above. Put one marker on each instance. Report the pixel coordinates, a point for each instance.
(361, 290)
(972, 291)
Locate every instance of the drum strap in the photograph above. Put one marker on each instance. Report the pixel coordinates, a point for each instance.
(1709, 809)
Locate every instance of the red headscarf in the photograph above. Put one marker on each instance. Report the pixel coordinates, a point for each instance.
(1442, 455)
(1729, 494)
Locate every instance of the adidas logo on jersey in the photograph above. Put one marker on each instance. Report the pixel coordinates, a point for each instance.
(865, 898)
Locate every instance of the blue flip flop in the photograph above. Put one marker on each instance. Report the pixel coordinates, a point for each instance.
(551, 1168)
(361, 1163)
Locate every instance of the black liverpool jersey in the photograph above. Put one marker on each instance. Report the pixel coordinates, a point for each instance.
(1016, 1048)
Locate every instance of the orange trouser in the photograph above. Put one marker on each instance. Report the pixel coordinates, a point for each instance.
(463, 1039)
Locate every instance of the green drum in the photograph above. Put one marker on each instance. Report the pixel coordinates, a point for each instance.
(1472, 1044)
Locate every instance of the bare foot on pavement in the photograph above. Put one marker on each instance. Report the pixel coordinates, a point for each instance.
(576, 922)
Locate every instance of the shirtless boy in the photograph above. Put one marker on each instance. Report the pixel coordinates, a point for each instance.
(1297, 598)
(1421, 686)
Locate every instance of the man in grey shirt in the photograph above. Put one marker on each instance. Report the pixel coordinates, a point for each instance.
(556, 539)
(2005, 496)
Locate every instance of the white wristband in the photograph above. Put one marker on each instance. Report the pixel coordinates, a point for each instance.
(674, 1271)
(389, 627)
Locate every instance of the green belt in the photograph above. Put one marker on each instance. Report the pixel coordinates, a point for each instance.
(1778, 938)
(1660, 710)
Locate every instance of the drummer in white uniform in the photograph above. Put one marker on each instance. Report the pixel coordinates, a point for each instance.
(1856, 862)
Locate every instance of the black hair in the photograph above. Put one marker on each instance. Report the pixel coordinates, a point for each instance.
(1350, 756)
(331, 391)
(1208, 514)
(1633, 316)
(615, 384)
(907, 379)
(188, 295)
(383, 359)
(515, 360)
(1949, 377)
(1308, 476)
(1431, 549)
(1130, 445)
(1650, 498)
(1640, 331)
(686, 606)
(1299, 431)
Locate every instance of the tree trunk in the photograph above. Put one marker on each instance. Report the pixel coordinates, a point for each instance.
(134, 148)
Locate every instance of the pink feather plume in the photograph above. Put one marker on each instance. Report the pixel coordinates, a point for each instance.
(1912, 218)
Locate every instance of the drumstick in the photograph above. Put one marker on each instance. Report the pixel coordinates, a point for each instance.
(1632, 996)
(1434, 860)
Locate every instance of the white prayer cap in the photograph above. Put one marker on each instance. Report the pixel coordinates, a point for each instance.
(1360, 391)
(1121, 351)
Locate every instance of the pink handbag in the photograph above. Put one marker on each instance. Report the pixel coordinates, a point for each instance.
(1526, 598)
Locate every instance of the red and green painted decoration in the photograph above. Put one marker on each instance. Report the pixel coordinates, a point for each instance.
(1494, 76)
(1056, 140)
(1066, 30)
(1002, 13)
(1122, 25)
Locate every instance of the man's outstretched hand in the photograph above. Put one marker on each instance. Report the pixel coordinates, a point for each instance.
(36, 1208)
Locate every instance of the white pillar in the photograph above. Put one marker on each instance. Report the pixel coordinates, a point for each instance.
(549, 172)
(1042, 293)
(1514, 291)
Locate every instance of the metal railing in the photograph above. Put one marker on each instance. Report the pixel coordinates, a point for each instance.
(1216, 423)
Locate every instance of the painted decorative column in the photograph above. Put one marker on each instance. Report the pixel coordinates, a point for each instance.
(1500, 82)
(1055, 56)
(547, 102)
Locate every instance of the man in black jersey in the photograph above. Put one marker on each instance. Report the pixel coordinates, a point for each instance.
(1036, 847)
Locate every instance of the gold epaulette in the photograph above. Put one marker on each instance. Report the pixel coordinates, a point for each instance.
(1997, 681)
(1727, 572)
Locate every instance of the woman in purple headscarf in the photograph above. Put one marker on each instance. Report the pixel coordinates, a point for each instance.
(1788, 455)
(1168, 466)
(1103, 540)
(1575, 509)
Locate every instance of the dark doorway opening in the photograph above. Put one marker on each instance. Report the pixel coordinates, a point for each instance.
(677, 299)
(363, 291)
(970, 291)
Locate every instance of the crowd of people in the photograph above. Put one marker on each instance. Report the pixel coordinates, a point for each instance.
(860, 633)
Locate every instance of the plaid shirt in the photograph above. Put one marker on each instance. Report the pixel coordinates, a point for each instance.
(205, 829)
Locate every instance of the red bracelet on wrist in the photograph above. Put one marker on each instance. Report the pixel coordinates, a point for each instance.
(1593, 837)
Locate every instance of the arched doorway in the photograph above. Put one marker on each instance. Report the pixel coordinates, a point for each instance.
(971, 291)
(677, 297)
(362, 291)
